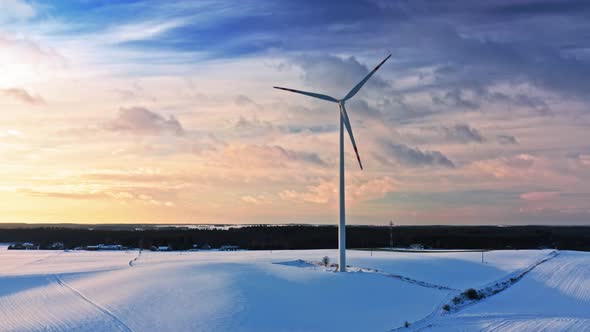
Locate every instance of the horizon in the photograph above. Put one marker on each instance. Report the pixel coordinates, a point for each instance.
(286, 224)
(142, 112)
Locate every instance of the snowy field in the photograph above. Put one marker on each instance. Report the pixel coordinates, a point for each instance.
(273, 291)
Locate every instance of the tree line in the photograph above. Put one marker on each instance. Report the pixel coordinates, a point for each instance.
(265, 237)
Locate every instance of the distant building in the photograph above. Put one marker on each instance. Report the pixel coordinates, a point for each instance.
(229, 248)
(57, 246)
(160, 248)
(111, 247)
(106, 247)
(416, 246)
(23, 246)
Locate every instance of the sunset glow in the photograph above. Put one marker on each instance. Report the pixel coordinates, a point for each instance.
(164, 112)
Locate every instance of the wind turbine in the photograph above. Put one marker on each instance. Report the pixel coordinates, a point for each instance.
(346, 122)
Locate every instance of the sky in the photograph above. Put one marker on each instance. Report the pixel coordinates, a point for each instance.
(164, 111)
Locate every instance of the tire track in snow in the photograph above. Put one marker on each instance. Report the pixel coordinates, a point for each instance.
(119, 323)
(529, 322)
(38, 260)
(136, 258)
(42, 259)
(408, 280)
(353, 269)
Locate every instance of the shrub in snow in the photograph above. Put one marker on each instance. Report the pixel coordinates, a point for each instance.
(447, 307)
(407, 324)
(326, 261)
(472, 294)
(456, 300)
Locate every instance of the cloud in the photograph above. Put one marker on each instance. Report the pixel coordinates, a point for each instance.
(506, 139)
(22, 95)
(16, 10)
(522, 166)
(334, 75)
(532, 102)
(18, 50)
(414, 157)
(142, 31)
(141, 121)
(256, 199)
(540, 195)
(321, 193)
(242, 100)
(462, 72)
(253, 126)
(455, 98)
(369, 190)
(135, 176)
(357, 191)
(462, 133)
(268, 156)
(579, 161)
(64, 194)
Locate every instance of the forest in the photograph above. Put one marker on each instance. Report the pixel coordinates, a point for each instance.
(273, 237)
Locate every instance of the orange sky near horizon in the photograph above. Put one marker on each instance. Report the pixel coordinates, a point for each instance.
(169, 116)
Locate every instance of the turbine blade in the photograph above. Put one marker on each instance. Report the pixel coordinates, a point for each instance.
(349, 129)
(361, 83)
(310, 94)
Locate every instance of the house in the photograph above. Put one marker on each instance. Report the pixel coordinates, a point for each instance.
(106, 247)
(229, 248)
(57, 246)
(111, 247)
(160, 248)
(23, 246)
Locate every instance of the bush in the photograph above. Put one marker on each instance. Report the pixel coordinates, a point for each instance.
(447, 307)
(407, 324)
(456, 300)
(472, 294)
(326, 261)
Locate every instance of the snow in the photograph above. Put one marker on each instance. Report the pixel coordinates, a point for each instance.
(554, 296)
(457, 270)
(285, 291)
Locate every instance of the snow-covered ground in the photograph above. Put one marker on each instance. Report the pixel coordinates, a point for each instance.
(249, 291)
(555, 296)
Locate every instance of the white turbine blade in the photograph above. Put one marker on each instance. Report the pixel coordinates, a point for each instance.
(361, 83)
(310, 94)
(349, 129)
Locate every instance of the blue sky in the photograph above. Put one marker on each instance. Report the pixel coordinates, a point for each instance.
(164, 110)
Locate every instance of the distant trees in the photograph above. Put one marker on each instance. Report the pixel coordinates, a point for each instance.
(263, 237)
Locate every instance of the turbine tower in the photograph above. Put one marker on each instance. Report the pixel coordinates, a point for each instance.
(344, 121)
